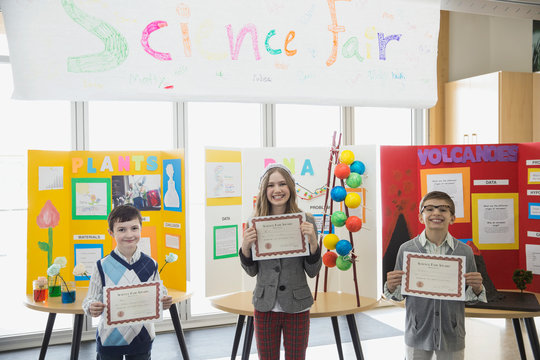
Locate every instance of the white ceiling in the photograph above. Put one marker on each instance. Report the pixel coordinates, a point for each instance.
(527, 9)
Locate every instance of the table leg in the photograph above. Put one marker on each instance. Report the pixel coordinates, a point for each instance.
(519, 339)
(351, 320)
(76, 336)
(47, 336)
(179, 332)
(248, 336)
(237, 335)
(335, 326)
(533, 336)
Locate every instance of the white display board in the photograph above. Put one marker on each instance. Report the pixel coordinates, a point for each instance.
(336, 52)
(309, 167)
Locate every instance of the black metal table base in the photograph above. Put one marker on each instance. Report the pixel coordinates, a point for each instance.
(248, 336)
(77, 333)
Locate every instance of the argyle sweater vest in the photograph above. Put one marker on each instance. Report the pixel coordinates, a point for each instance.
(125, 339)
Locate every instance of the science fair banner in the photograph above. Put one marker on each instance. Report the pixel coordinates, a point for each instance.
(336, 52)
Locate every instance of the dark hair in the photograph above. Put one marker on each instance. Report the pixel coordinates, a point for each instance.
(440, 196)
(123, 213)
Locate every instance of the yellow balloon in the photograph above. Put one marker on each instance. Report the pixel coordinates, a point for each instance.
(346, 157)
(353, 200)
(330, 241)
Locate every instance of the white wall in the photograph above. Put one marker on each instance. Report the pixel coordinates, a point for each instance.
(481, 44)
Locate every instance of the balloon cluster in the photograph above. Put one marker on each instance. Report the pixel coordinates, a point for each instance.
(351, 171)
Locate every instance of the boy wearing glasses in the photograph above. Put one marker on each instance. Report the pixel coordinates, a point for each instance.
(435, 326)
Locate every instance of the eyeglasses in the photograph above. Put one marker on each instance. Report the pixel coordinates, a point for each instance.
(431, 208)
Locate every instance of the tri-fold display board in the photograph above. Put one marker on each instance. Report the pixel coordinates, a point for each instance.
(70, 194)
(232, 186)
(496, 190)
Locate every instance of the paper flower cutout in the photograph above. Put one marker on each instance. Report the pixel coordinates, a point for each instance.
(48, 218)
(171, 257)
(61, 260)
(80, 270)
(53, 270)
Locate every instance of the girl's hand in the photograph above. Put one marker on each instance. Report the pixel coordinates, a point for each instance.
(96, 308)
(308, 230)
(250, 235)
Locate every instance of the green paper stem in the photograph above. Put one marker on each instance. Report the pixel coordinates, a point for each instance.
(49, 250)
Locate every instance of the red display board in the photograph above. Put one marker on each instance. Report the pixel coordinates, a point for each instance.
(484, 174)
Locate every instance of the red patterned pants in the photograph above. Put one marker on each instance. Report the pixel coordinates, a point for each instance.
(268, 328)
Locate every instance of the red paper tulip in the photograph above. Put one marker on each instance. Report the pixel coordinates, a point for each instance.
(49, 216)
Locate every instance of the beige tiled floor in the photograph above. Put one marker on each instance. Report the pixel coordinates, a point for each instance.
(491, 339)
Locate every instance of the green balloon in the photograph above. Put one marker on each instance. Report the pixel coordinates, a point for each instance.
(338, 218)
(354, 180)
(343, 264)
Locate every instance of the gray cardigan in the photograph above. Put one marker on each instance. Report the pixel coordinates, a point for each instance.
(435, 324)
(283, 279)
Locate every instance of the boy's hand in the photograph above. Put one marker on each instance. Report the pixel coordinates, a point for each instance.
(250, 235)
(474, 280)
(96, 308)
(393, 279)
(167, 302)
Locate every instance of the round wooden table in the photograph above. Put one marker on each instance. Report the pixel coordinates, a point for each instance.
(327, 304)
(55, 306)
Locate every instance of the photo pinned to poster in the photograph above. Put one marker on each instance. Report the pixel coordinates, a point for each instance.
(51, 177)
(172, 185)
(534, 210)
(88, 255)
(453, 181)
(172, 241)
(328, 227)
(223, 179)
(495, 222)
(90, 198)
(141, 191)
(533, 176)
(225, 241)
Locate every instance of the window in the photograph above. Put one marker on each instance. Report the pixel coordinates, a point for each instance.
(25, 125)
(130, 125)
(306, 125)
(211, 124)
(382, 126)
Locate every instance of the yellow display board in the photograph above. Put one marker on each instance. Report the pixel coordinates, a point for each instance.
(70, 194)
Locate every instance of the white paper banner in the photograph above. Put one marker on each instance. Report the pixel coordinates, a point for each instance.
(336, 52)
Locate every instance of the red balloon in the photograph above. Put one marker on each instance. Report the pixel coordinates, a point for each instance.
(329, 259)
(342, 171)
(353, 223)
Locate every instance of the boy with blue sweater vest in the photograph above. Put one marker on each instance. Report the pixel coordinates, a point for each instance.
(434, 326)
(125, 265)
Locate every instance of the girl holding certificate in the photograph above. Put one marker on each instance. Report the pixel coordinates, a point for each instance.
(282, 297)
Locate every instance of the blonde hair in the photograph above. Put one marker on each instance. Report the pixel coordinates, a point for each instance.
(262, 207)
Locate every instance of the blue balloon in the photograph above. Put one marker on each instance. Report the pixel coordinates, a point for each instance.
(358, 167)
(343, 247)
(338, 193)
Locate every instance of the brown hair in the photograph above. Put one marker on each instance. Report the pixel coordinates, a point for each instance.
(123, 213)
(440, 196)
(262, 207)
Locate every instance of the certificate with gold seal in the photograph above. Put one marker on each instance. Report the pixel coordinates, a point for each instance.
(133, 304)
(279, 236)
(434, 276)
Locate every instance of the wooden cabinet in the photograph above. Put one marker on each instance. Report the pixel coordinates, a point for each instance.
(490, 108)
